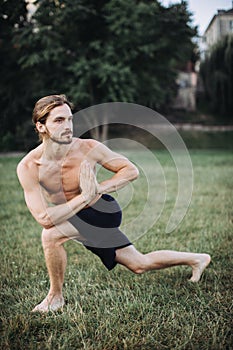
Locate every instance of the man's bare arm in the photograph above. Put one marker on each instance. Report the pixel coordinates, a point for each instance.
(124, 170)
(51, 216)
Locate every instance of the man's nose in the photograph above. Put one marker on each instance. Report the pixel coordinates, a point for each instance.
(68, 125)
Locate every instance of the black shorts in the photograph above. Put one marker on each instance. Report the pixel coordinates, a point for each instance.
(99, 227)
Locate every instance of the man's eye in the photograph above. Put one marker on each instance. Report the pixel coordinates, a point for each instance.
(59, 120)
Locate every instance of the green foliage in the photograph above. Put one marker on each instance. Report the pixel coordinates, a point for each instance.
(13, 89)
(93, 51)
(217, 74)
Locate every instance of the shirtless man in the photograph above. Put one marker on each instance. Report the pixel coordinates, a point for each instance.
(64, 197)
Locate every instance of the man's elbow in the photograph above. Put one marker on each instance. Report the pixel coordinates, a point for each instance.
(134, 173)
(45, 221)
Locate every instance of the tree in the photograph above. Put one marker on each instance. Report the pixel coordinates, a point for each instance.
(13, 88)
(102, 51)
(217, 75)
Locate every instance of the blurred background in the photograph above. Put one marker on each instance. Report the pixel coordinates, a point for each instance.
(175, 57)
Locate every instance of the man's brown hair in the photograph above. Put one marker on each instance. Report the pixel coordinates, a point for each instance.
(44, 106)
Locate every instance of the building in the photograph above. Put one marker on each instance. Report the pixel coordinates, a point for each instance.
(220, 25)
(186, 82)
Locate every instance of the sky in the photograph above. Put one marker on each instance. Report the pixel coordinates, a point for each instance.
(203, 10)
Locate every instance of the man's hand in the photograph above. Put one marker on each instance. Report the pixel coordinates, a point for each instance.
(88, 182)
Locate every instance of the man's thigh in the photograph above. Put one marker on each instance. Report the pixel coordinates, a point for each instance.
(61, 233)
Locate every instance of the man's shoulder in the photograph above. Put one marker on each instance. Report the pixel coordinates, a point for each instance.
(29, 162)
(87, 143)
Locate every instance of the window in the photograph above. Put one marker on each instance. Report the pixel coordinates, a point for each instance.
(231, 26)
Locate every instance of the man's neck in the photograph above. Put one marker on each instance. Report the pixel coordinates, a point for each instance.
(54, 151)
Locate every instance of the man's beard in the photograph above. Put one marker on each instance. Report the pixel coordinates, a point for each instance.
(58, 140)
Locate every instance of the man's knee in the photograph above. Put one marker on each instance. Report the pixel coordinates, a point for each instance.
(47, 238)
(51, 238)
(138, 270)
(140, 266)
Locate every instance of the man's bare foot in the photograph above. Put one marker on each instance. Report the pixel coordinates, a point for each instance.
(202, 262)
(50, 303)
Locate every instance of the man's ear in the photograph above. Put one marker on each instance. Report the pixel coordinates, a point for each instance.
(40, 127)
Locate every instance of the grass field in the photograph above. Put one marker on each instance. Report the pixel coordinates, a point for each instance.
(120, 310)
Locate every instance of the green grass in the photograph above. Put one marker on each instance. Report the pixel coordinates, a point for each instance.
(120, 310)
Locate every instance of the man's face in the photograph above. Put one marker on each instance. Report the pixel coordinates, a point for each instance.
(59, 125)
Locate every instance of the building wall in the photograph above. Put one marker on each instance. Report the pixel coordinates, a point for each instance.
(222, 24)
(186, 96)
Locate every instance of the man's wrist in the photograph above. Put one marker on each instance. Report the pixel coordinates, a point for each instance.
(85, 197)
(100, 189)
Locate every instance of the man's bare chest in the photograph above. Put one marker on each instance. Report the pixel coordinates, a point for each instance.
(56, 177)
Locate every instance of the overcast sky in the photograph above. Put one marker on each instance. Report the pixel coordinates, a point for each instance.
(203, 10)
